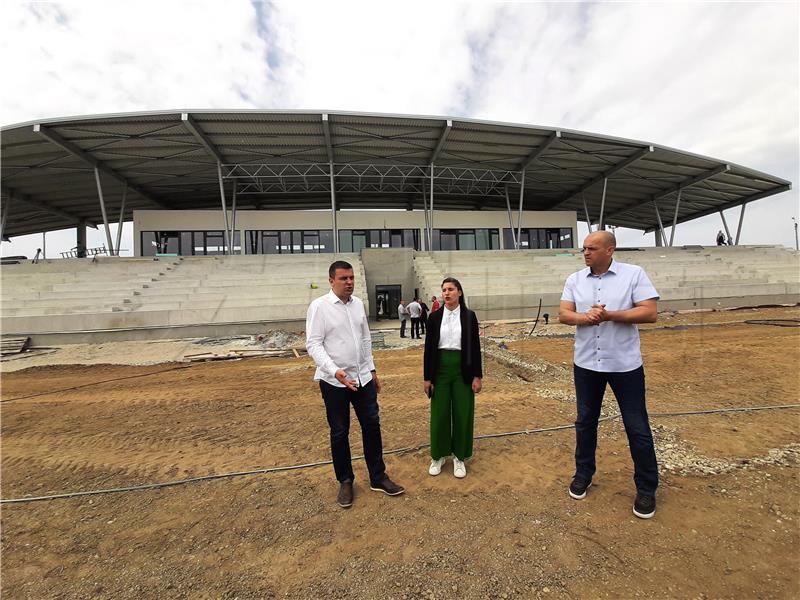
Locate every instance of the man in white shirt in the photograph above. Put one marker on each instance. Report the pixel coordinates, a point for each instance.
(338, 339)
(415, 312)
(402, 314)
(605, 301)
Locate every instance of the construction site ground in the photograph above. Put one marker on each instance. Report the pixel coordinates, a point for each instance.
(726, 524)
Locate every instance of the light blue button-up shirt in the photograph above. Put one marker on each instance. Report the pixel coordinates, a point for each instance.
(609, 347)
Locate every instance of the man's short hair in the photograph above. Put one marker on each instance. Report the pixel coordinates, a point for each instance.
(338, 264)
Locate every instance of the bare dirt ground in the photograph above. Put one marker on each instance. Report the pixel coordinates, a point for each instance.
(726, 526)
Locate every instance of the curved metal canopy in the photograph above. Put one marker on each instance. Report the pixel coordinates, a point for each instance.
(289, 160)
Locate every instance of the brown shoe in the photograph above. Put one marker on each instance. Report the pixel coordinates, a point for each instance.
(387, 486)
(345, 497)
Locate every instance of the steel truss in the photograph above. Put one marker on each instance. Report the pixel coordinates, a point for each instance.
(378, 178)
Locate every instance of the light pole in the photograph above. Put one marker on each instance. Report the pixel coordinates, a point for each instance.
(796, 244)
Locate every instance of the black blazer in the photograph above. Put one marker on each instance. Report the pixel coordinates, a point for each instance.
(470, 346)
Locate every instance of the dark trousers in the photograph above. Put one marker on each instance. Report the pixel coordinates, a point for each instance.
(628, 388)
(337, 408)
(415, 327)
(403, 328)
(422, 320)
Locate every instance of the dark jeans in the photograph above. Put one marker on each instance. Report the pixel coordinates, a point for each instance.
(403, 328)
(628, 387)
(422, 321)
(415, 327)
(337, 407)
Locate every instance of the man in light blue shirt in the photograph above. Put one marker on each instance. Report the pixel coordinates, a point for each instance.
(605, 301)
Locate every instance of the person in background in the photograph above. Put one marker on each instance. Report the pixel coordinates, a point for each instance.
(720, 238)
(414, 312)
(423, 319)
(605, 301)
(434, 304)
(338, 339)
(453, 374)
(402, 314)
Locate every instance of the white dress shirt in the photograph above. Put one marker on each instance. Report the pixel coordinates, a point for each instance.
(414, 310)
(337, 337)
(450, 331)
(609, 347)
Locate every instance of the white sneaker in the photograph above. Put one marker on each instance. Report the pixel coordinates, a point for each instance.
(436, 466)
(459, 468)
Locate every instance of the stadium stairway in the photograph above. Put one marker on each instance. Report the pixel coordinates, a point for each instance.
(75, 300)
(508, 284)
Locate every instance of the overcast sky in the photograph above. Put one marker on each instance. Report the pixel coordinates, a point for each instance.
(719, 79)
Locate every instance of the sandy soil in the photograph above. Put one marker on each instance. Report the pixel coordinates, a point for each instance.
(726, 526)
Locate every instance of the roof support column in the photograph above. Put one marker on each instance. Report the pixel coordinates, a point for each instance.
(80, 239)
(600, 224)
(103, 210)
(511, 220)
(586, 212)
(739, 228)
(121, 217)
(430, 218)
(660, 231)
(232, 236)
(725, 225)
(519, 217)
(6, 206)
(675, 218)
(333, 213)
(425, 214)
(224, 208)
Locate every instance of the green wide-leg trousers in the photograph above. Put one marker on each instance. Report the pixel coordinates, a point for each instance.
(452, 409)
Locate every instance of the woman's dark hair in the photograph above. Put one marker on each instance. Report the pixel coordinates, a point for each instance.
(456, 283)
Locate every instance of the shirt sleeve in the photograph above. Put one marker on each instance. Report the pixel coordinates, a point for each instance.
(366, 342)
(568, 295)
(643, 289)
(315, 338)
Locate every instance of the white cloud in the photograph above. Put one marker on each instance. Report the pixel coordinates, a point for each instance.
(714, 78)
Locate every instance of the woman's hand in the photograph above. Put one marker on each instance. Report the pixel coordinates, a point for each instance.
(427, 387)
(477, 385)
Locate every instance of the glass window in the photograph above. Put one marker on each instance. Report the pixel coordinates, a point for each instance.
(466, 239)
(345, 240)
(326, 241)
(215, 243)
(148, 243)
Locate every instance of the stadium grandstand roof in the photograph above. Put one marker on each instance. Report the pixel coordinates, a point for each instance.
(290, 159)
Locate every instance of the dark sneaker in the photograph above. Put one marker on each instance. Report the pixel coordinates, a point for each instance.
(345, 497)
(645, 506)
(387, 486)
(578, 487)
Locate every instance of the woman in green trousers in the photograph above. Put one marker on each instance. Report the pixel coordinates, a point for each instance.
(453, 375)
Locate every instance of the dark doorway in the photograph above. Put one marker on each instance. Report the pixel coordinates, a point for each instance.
(387, 298)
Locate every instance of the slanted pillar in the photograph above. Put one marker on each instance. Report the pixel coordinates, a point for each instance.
(600, 224)
(103, 211)
(232, 236)
(586, 212)
(739, 228)
(675, 218)
(511, 220)
(226, 230)
(660, 232)
(725, 225)
(121, 218)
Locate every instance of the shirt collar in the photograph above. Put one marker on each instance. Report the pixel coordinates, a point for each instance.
(612, 268)
(333, 298)
(455, 312)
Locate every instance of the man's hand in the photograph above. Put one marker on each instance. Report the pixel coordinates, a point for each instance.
(427, 387)
(598, 314)
(477, 385)
(342, 378)
(377, 382)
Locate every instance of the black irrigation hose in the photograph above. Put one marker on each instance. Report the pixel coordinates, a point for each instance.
(775, 322)
(155, 486)
(85, 385)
